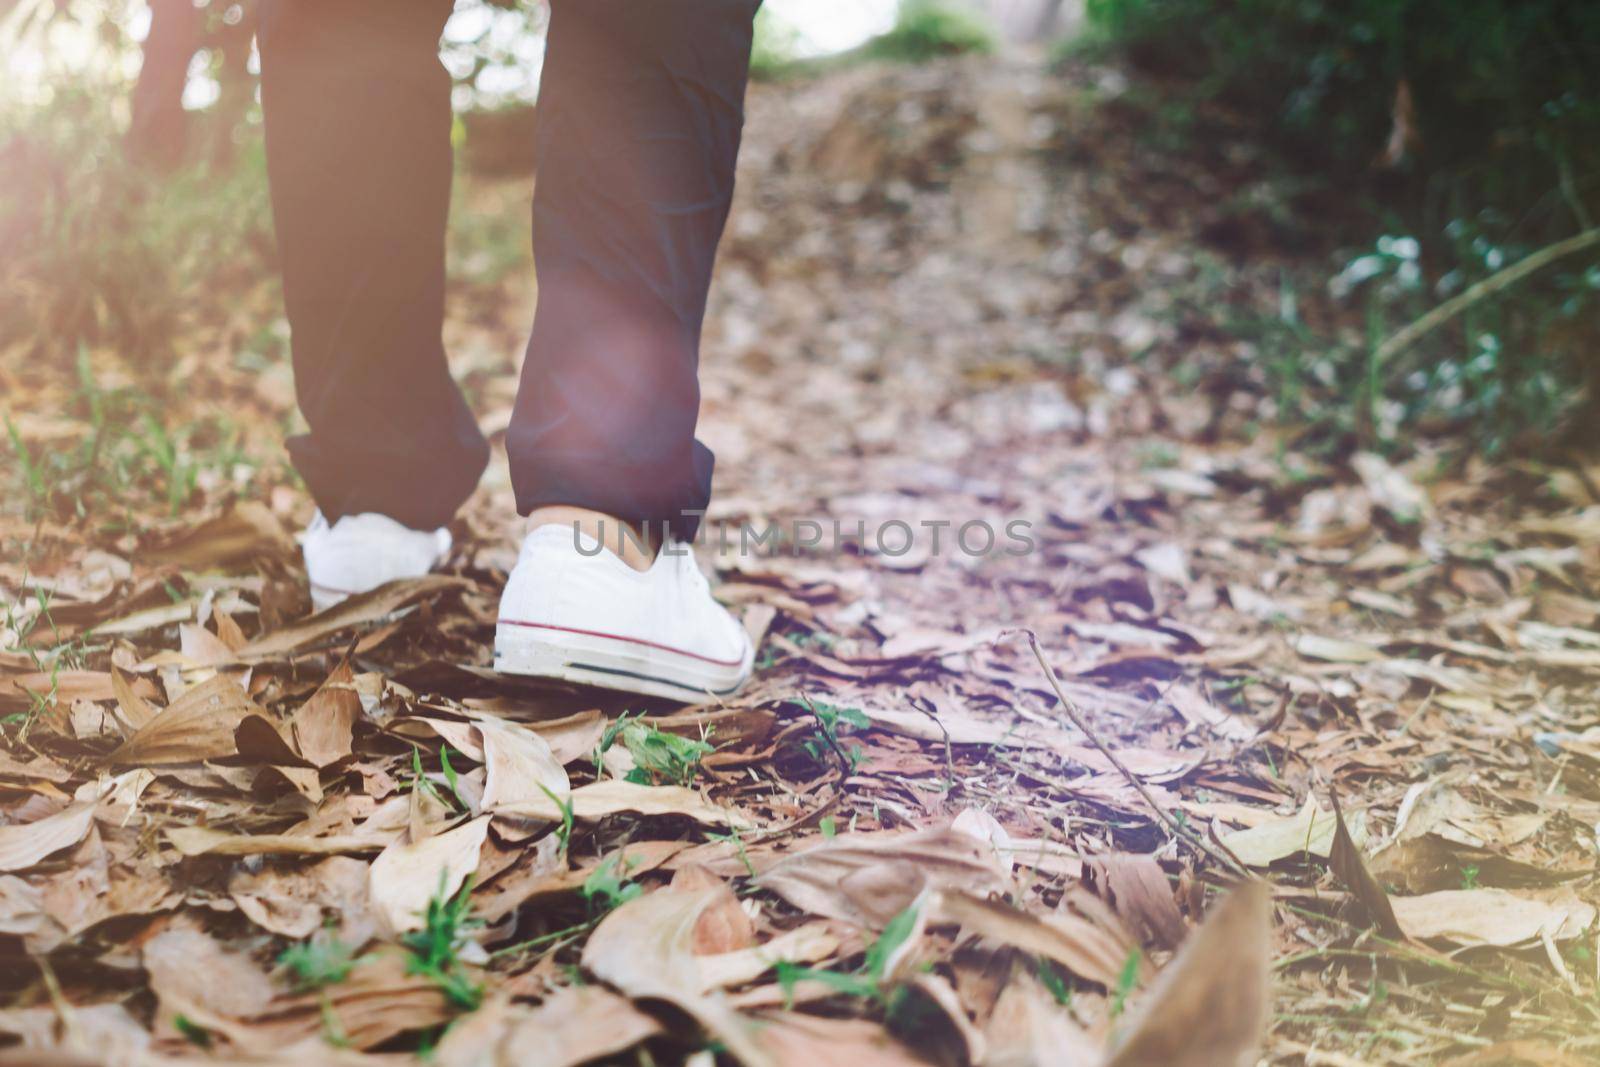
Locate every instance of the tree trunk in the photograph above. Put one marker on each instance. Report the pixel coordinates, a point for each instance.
(158, 135)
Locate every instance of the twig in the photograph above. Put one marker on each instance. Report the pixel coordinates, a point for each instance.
(1489, 286)
(845, 769)
(949, 758)
(1105, 750)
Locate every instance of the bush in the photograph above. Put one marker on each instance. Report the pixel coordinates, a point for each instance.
(1484, 116)
(926, 29)
(101, 252)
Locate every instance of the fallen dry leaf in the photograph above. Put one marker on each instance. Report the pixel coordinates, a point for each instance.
(613, 796)
(1468, 918)
(868, 879)
(406, 876)
(1208, 1007)
(644, 948)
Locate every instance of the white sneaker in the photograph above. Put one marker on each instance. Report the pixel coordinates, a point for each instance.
(589, 617)
(362, 552)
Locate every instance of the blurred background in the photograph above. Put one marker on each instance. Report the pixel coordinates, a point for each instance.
(1248, 198)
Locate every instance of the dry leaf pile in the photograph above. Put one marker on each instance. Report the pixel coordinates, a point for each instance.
(1348, 813)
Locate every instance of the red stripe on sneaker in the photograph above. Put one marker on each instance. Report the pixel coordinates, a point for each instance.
(624, 640)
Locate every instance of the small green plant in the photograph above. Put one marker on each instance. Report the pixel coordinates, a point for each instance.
(1469, 877)
(826, 738)
(608, 886)
(435, 949)
(608, 737)
(1127, 978)
(737, 838)
(564, 804)
(192, 1031)
(660, 756)
(870, 980)
(1051, 979)
(451, 777)
(314, 964)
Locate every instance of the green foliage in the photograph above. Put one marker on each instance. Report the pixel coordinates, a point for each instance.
(927, 29)
(1052, 980)
(608, 886)
(192, 1031)
(314, 964)
(1127, 978)
(776, 46)
(436, 947)
(564, 831)
(128, 457)
(827, 740)
(660, 756)
(870, 980)
(1496, 105)
(102, 252)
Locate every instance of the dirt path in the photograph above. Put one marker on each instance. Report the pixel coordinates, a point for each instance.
(966, 295)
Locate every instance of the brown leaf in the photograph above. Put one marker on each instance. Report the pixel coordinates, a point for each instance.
(249, 531)
(1474, 917)
(868, 879)
(644, 948)
(324, 727)
(356, 610)
(613, 796)
(1208, 1007)
(1347, 862)
(136, 711)
(188, 969)
(25, 844)
(199, 725)
(519, 765)
(406, 876)
(1077, 944)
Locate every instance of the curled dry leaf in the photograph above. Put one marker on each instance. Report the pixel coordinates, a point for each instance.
(1309, 830)
(355, 611)
(1208, 1007)
(614, 796)
(868, 879)
(1078, 945)
(1469, 918)
(200, 725)
(23, 845)
(324, 727)
(405, 877)
(520, 765)
(1345, 858)
(645, 949)
(574, 1025)
(1029, 1029)
(797, 1040)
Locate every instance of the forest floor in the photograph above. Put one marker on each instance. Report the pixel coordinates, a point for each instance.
(972, 291)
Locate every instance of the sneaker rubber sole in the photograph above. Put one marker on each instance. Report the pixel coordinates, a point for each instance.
(612, 661)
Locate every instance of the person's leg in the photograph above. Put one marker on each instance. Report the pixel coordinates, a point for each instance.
(640, 110)
(358, 118)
